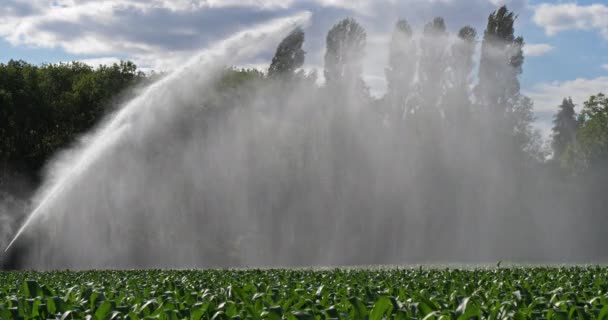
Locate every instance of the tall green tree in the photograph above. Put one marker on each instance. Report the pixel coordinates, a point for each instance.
(564, 128)
(462, 56)
(401, 70)
(457, 102)
(433, 63)
(592, 137)
(501, 62)
(289, 55)
(498, 90)
(344, 53)
(506, 138)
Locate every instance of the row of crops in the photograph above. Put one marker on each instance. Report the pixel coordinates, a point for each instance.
(501, 293)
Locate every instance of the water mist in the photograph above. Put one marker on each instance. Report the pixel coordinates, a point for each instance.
(282, 172)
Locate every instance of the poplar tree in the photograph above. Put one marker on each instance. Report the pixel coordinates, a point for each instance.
(564, 128)
(457, 104)
(345, 49)
(433, 64)
(500, 63)
(402, 66)
(289, 55)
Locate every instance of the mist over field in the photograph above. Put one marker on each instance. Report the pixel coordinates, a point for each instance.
(217, 167)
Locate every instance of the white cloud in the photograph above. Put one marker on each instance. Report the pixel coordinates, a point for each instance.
(96, 62)
(555, 18)
(548, 96)
(71, 26)
(154, 33)
(261, 4)
(605, 66)
(537, 49)
(360, 6)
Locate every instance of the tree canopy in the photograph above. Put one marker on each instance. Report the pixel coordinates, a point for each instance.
(289, 55)
(44, 108)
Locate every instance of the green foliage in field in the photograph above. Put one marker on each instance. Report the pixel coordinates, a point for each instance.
(517, 293)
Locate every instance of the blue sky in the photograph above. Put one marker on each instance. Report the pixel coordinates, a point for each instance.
(567, 42)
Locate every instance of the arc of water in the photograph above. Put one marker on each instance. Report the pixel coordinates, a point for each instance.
(106, 137)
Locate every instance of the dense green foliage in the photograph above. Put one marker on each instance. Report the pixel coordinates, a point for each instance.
(587, 142)
(44, 108)
(503, 293)
(593, 133)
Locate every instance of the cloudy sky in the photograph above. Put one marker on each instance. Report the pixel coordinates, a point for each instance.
(566, 47)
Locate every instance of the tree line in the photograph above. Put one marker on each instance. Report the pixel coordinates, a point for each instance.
(43, 109)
